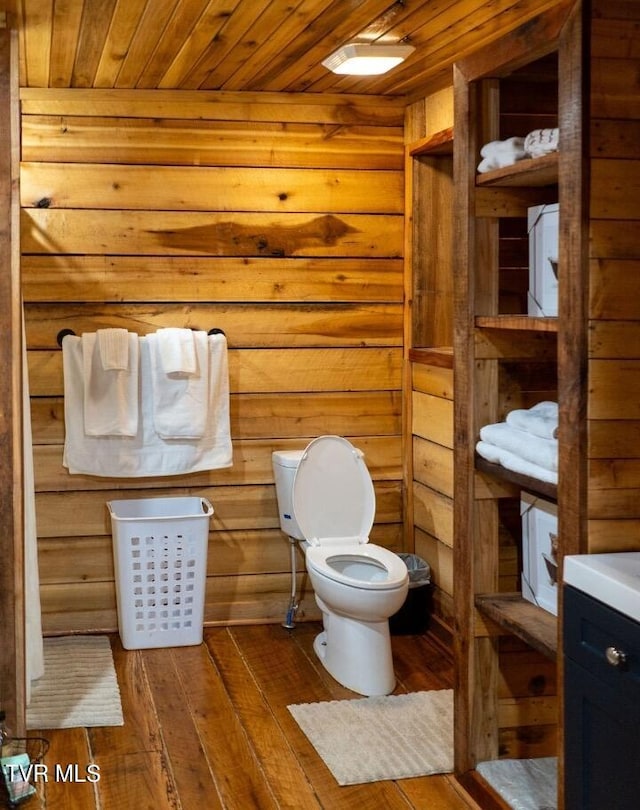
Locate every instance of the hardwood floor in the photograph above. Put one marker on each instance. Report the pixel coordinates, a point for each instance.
(207, 727)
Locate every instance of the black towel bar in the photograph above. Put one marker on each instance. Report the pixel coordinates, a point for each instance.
(62, 335)
(64, 332)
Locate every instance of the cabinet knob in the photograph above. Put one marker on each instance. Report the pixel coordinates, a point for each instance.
(615, 657)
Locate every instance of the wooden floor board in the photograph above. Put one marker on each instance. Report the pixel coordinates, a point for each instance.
(281, 767)
(208, 726)
(194, 779)
(240, 779)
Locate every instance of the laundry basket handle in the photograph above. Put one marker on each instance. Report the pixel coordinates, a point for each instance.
(207, 508)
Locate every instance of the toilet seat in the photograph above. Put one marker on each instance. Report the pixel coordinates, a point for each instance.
(333, 496)
(341, 562)
(334, 504)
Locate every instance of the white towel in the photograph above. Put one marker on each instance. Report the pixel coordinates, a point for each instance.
(146, 454)
(113, 345)
(540, 420)
(540, 142)
(498, 154)
(543, 452)
(177, 350)
(498, 455)
(110, 400)
(180, 399)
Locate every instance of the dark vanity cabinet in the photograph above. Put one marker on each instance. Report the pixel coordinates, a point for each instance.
(602, 705)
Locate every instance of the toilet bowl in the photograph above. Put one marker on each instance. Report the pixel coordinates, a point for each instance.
(326, 501)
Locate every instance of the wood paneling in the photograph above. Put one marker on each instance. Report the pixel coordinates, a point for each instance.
(257, 45)
(613, 345)
(299, 262)
(208, 188)
(265, 371)
(180, 233)
(429, 335)
(70, 138)
(170, 279)
(12, 597)
(336, 112)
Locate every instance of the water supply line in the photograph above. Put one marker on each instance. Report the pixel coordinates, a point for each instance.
(289, 622)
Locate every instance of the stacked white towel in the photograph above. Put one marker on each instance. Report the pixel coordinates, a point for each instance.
(110, 381)
(540, 142)
(177, 349)
(541, 420)
(114, 346)
(499, 154)
(180, 382)
(146, 453)
(526, 442)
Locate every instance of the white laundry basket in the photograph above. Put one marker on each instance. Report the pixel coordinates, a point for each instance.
(160, 557)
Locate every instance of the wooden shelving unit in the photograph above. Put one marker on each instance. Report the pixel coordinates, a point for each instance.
(440, 143)
(506, 359)
(433, 356)
(532, 172)
(522, 323)
(430, 168)
(534, 485)
(428, 338)
(533, 625)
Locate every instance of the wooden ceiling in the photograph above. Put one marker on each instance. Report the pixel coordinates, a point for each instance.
(254, 45)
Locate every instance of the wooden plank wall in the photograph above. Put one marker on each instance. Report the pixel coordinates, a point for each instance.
(278, 218)
(430, 404)
(614, 291)
(12, 622)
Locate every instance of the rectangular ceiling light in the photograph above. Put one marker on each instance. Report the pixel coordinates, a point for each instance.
(363, 59)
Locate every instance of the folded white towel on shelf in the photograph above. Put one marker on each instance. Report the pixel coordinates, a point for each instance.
(110, 398)
(146, 454)
(113, 345)
(498, 455)
(180, 398)
(540, 142)
(540, 420)
(176, 349)
(498, 154)
(543, 452)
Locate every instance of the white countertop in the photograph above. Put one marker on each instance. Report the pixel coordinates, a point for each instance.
(612, 578)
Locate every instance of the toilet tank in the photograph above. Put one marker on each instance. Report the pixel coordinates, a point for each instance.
(285, 463)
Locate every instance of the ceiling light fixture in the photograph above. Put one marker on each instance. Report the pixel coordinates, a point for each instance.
(364, 59)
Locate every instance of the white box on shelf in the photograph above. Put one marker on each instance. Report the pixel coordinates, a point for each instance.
(539, 563)
(542, 225)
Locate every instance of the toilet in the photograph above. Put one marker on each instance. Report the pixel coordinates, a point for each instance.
(326, 501)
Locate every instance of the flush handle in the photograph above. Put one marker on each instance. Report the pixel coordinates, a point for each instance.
(616, 657)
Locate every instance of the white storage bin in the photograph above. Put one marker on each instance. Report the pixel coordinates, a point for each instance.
(543, 224)
(160, 558)
(539, 564)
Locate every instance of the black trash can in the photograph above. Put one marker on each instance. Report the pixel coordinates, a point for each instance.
(413, 616)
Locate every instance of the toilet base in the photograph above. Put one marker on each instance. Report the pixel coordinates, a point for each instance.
(357, 654)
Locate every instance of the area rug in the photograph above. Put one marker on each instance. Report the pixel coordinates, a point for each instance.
(375, 738)
(525, 784)
(79, 686)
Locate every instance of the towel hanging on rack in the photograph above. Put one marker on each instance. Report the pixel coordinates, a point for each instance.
(110, 394)
(146, 454)
(180, 382)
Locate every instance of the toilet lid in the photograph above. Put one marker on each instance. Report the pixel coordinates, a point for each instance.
(333, 495)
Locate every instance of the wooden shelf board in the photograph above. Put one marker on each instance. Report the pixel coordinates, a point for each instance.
(481, 791)
(440, 143)
(542, 171)
(533, 485)
(524, 323)
(532, 624)
(441, 356)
